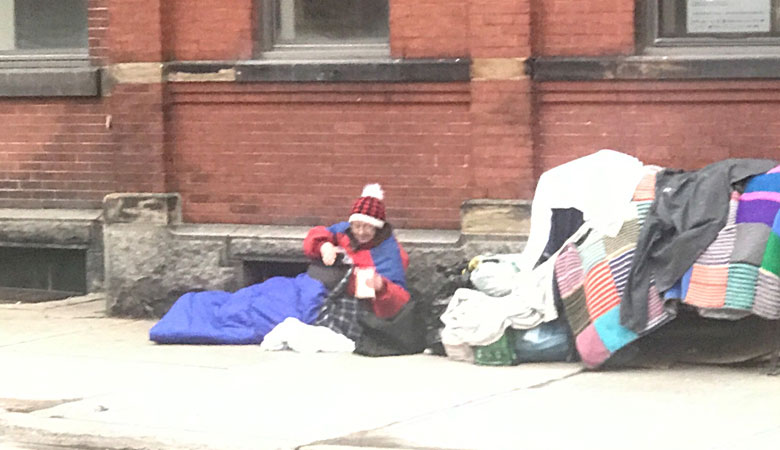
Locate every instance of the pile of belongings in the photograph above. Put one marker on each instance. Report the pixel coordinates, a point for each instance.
(617, 250)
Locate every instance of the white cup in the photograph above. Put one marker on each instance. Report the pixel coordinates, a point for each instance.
(364, 282)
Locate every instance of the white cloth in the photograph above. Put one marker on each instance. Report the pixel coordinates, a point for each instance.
(475, 318)
(600, 185)
(292, 334)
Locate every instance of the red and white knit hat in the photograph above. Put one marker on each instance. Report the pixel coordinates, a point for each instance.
(370, 207)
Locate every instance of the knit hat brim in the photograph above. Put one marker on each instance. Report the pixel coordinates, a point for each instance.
(357, 217)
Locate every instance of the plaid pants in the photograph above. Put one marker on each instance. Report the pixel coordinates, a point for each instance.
(340, 311)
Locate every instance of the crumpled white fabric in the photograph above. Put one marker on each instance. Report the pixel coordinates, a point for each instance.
(292, 334)
(475, 318)
(600, 185)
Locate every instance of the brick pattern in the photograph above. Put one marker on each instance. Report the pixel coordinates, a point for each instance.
(675, 124)
(135, 33)
(429, 28)
(70, 153)
(137, 130)
(55, 154)
(97, 23)
(502, 147)
(583, 28)
(499, 29)
(208, 30)
(300, 154)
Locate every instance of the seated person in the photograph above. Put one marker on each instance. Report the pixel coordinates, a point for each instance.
(366, 241)
(325, 295)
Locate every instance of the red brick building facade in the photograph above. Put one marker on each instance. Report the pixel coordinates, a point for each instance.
(473, 99)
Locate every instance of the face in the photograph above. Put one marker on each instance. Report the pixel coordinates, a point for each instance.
(363, 231)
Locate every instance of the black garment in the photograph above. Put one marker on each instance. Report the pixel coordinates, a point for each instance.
(403, 334)
(689, 210)
(563, 224)
(330, 276)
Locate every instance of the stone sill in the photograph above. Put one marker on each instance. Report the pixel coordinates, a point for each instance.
(50, 82)
(88, 215)
(378, 70)
(676, 67)
(50, 228)
(298, 233)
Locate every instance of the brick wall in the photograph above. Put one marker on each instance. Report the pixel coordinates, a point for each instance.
(501, 139)
(97, 24)
(499, 29)
(429, 28)
(500, 110)
(135, 30)
(674, 124)
(300, 154)
(594, 27)
(208, 30)
(137, 131)
(55, 154)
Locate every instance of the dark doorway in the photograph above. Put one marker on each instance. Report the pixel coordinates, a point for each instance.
(259, 271)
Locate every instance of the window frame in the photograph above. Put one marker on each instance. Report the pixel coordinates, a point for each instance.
(48, 57)
(649, 41)
(267, 48)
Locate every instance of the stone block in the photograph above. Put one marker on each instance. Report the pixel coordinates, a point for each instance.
(496, 217)
(147, 209)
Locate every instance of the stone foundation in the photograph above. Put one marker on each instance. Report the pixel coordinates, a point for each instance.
(151, 257)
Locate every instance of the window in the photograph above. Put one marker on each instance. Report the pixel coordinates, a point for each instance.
(43, 27)
(324, 28)
(732, 23)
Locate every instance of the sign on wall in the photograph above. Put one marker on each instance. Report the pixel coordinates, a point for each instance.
(729, 16)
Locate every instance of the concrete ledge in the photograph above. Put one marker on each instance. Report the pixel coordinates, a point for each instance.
(50, 82)
(653, 68)
(55, 228)
(379, 70)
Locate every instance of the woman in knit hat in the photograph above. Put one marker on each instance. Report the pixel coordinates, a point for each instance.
(356, 267)
(367, 240)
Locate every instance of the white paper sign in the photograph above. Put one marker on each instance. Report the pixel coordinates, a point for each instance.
(729, 16)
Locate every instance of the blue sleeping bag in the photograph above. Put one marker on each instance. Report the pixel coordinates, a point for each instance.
(242, 317)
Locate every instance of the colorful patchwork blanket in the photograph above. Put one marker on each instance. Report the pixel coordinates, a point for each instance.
(592, 277)
(739, 273)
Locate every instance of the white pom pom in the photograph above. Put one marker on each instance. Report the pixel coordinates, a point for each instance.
(373, 190)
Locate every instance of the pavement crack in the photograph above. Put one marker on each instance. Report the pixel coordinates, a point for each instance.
(554, 380)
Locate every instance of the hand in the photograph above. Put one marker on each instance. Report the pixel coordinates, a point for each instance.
(329, 253)
(378, 282)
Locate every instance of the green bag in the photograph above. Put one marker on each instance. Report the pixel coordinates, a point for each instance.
(499, 353)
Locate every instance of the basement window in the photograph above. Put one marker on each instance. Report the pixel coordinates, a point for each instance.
(324, 29)
(40, 274)
(259, 271)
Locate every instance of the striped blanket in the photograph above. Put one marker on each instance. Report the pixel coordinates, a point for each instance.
(592, 277)
(739, 273)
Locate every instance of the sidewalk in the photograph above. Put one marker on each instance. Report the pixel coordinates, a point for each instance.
(72, 378)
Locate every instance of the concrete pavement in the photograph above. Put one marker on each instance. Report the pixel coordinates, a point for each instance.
(72, 378)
